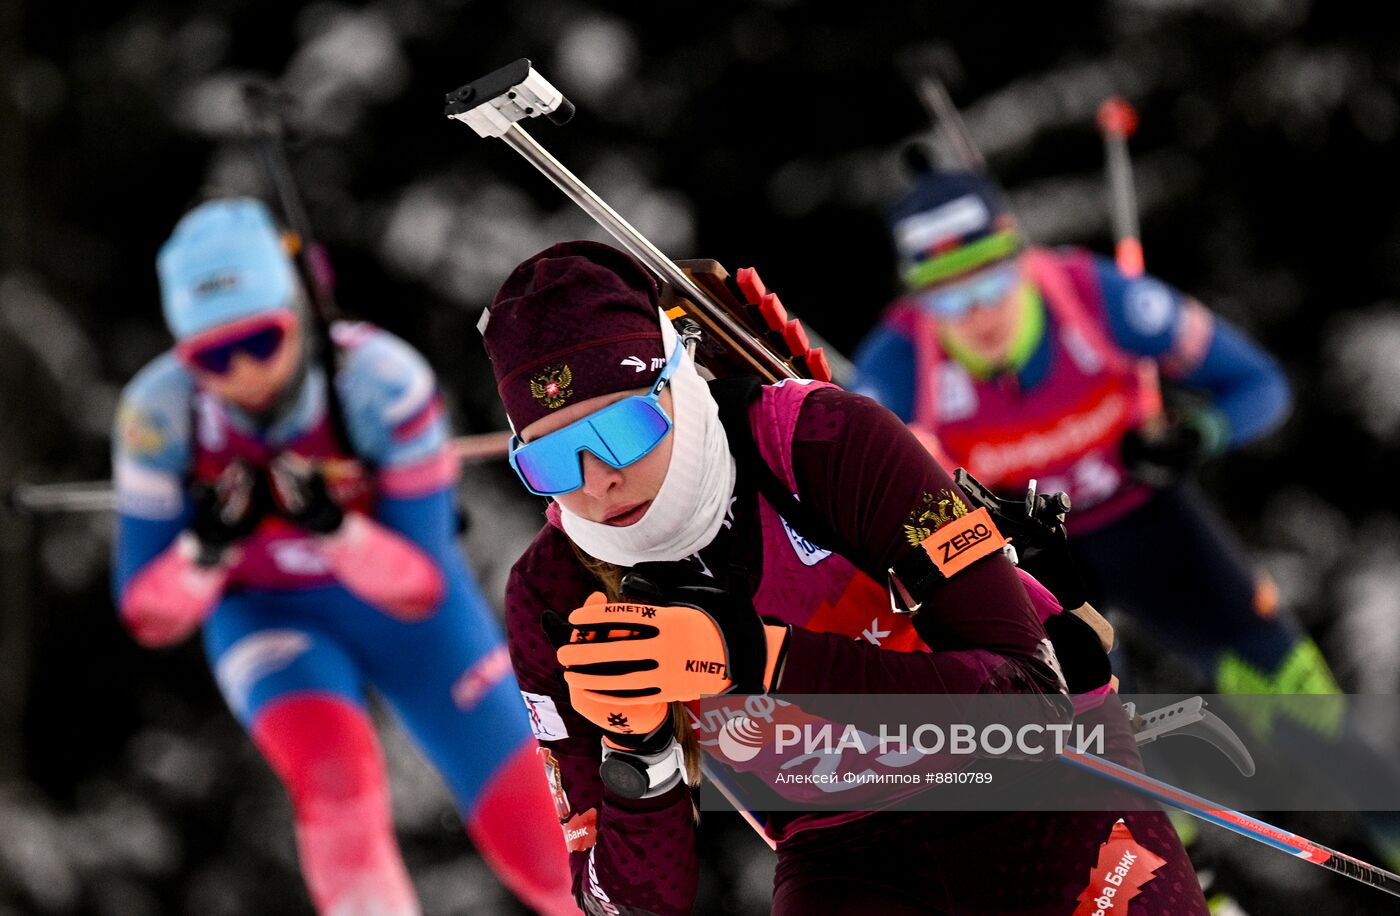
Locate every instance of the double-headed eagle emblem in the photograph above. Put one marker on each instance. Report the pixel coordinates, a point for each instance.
(551, 387)
(933, 512)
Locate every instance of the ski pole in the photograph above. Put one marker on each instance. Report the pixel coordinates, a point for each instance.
(57, 498)
(1237, 822)
(98, 496)
(1117, 121)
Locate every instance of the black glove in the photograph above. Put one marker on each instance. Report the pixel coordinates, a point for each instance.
(226, 510)
(302, 495)
(1164, 458)
(1078, 648)
(1035, 526)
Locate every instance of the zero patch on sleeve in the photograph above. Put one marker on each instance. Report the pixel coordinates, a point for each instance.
(963, 541)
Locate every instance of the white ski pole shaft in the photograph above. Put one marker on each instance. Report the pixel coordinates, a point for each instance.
(1117, 121)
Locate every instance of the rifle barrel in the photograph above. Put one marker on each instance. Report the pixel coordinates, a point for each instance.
(763, 362)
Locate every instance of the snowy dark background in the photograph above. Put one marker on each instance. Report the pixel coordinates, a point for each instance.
(760, 132)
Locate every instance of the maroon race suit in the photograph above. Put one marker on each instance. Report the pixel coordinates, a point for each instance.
(871, 482)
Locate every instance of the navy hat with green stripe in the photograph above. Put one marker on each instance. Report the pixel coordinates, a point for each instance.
(951, 224)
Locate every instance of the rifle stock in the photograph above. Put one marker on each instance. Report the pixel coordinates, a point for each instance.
(758, 312)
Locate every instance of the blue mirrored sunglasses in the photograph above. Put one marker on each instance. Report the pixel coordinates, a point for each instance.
(618, 435)
(986, 288)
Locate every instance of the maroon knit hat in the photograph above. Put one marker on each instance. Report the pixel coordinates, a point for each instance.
(575, 321)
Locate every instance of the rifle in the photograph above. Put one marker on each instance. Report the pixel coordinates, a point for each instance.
(267, 110)
(745, 328)
(926, 68)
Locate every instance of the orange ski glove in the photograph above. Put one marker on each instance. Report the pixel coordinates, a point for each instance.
(680, 638)
(626, 726)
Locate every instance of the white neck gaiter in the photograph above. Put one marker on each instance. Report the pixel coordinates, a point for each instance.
(690, 506)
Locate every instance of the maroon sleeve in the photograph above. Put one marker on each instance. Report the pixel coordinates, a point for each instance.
(627, 857)
(871, 482)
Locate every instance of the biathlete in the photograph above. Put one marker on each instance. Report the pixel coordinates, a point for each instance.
(1019, 362)
(668, 547)
(296, 504)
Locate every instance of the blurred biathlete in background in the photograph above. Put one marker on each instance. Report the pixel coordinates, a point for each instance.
(673, 527)
(307, 525)
(1020, 362)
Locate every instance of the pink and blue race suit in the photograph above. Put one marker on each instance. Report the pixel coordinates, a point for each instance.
(871, 484)
(1162, 555)
(294, 650)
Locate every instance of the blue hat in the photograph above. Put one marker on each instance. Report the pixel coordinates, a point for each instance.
(950, 224)
(223, 262)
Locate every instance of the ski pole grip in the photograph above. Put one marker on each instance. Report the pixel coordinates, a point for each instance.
(1117, 117)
